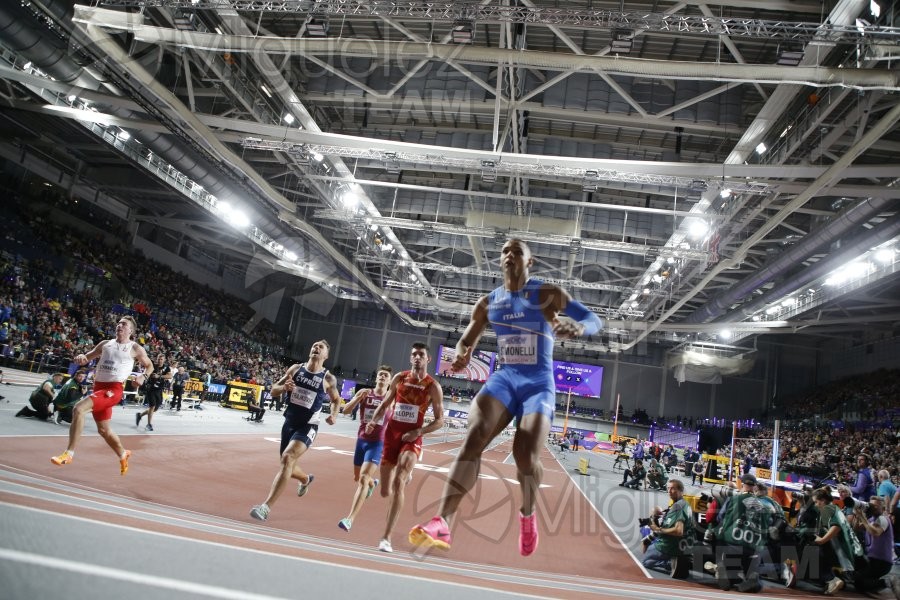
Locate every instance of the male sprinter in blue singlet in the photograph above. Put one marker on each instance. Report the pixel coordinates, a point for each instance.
(525, 315)
(308, 386)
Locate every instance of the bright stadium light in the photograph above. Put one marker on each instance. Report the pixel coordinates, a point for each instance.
(885, 255)
(697, 228)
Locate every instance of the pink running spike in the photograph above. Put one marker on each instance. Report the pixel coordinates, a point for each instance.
(528, 534)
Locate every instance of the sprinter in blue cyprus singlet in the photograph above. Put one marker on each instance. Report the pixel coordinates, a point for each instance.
(525, 314)
(306, 387)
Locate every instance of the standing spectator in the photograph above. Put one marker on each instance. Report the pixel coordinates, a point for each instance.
(70, 393)
(638, 451)
(207, 381)
(41, 398)
(864, 487)
(155, 386)
(178, 381)
(886, 488)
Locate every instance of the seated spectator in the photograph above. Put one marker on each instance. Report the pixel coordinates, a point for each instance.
(256, 412)
(41, 398)
(697, 470)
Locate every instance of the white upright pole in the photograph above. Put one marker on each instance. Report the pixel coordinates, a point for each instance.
(776, 438)
(731, 459)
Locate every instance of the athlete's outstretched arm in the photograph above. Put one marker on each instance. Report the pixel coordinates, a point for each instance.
(357, 398)
(286, 383)
(140, 355)
(466, 344)
(85, 358)
(437, 408)
(556, 300)
(387, 403)
(334, 396)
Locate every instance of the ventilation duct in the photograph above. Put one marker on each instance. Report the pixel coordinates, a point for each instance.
(839, 226)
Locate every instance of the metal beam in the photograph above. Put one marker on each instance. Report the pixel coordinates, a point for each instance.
(584, 18)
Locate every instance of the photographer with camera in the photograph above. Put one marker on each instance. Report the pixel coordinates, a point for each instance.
(633, 478)
(879, 534)
(656, 475)
(672, 539)
(838, 544)
(770, 563)
(742, 529)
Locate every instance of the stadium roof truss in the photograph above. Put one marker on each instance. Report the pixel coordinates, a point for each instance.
(678, 166)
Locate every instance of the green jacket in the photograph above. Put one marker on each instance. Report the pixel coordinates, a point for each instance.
(671, 545)
(846, 545)
(745, 521)
(70, 393)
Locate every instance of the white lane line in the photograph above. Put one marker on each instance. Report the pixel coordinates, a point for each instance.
(107, 572)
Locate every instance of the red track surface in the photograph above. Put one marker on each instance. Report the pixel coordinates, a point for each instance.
(225, 475)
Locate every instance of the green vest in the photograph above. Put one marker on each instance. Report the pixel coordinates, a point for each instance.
(745, 522)
(846, 545)
(671, 545)
(68, 395)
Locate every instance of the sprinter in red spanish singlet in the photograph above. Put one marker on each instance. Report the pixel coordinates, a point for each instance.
(117, 358)
(409, 395)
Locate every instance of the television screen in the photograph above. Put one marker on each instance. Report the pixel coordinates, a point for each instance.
(481, 365)
(348, 388)
(216, 388)
(582, 380)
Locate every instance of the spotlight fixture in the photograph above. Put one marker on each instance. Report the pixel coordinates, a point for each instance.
(391, 165)
(317, 26)
(463, 31)
(185, 22)
(622, 41)
(790, 58)
(699, 185)
(591, 181)
(488, 171)
(790, 54)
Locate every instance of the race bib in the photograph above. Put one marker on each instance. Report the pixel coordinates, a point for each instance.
(369, 413)
(303, 397)
(406, 413)
(517, 349)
